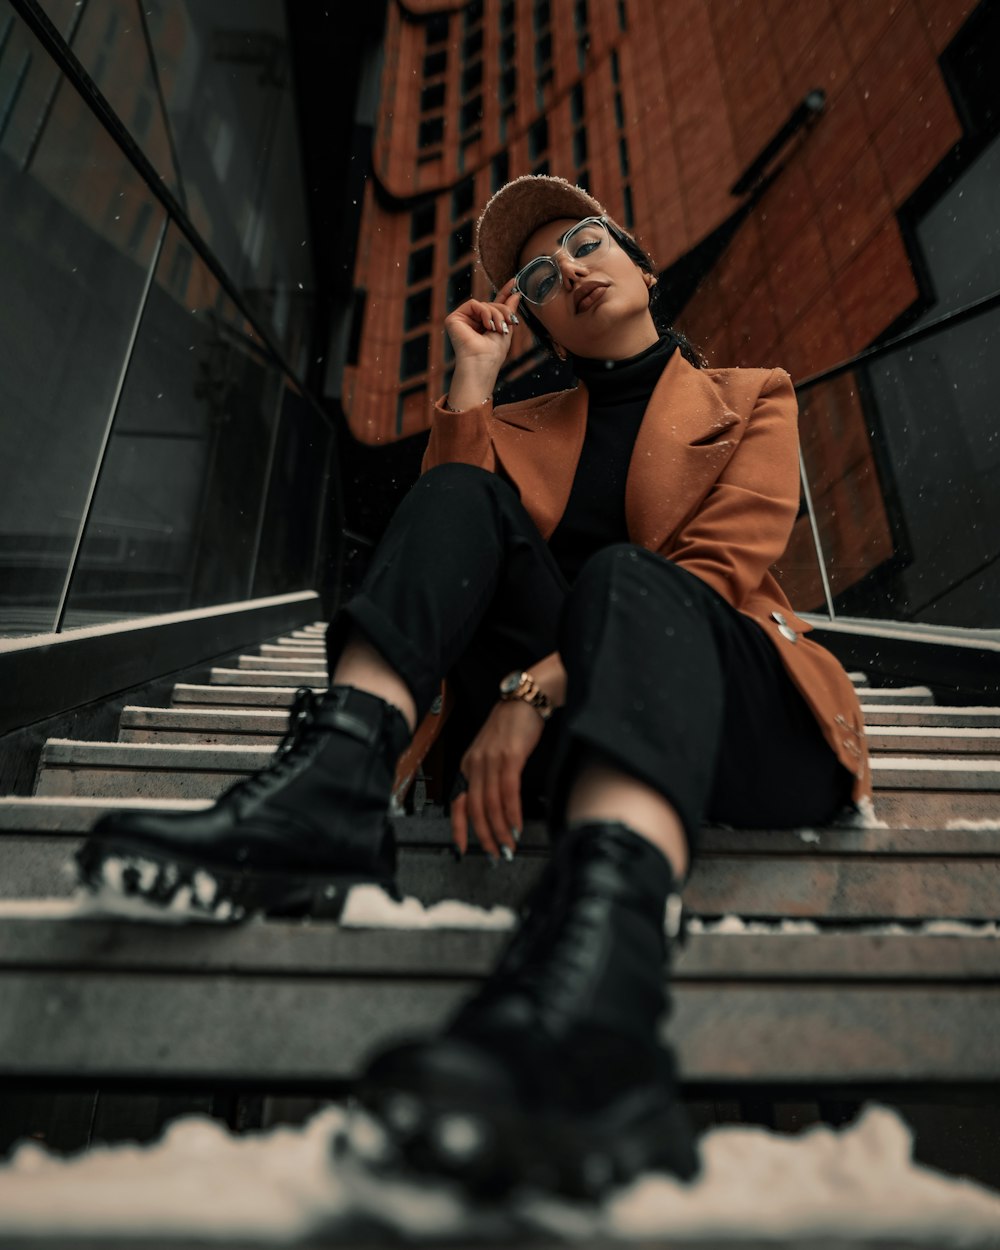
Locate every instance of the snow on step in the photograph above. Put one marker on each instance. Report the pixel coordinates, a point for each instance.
(281, 1187)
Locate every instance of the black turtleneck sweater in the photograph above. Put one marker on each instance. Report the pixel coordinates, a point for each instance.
(619, 391)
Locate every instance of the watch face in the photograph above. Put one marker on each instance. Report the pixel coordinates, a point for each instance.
(510, 683)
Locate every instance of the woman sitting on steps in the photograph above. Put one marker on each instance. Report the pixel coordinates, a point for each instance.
(589, 570)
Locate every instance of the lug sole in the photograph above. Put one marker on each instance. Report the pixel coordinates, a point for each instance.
(491, 1151)
(182, 888)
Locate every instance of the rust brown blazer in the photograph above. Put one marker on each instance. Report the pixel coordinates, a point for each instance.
(713, 485)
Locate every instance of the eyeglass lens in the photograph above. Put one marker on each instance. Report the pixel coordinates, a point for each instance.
(539, 281)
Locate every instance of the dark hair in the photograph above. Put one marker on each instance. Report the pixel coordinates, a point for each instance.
(645, 263)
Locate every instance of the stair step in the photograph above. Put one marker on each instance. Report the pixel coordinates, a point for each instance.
(855, 888)
(279, 664)
(80, 1001)
(270, 678)
(907, 695)
(185, 770)
(291, 650)
(937, 716)
(185, 694)
(76, 815)
(923, 738)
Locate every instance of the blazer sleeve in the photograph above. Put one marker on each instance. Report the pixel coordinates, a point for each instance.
(744, 524)
(461, 437)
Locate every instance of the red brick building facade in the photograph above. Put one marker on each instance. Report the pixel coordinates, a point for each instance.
(658, 109)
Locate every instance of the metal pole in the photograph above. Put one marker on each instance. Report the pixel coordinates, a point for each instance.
(109, 425)
(815, 534)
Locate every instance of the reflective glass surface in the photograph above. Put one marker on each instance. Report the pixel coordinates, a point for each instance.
(178, 503)
(227, 81)
(294, 526)
(912, 531)
(78, 239)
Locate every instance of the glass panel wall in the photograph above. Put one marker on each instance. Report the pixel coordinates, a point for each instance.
(176, 512)
(74, 265)
(912, 532)
(142, 415)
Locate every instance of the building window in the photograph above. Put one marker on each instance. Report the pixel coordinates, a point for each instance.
(432, 98)
(508, 49)
(543, 52)
(421, 265)
(582, 48)
(615, 67)
(406, 400)
(629, 215)
(576, 103)
(357, 320)
(423, 220)
(472, 78)
(622, 16)
(508, 85)
(580, 147)
(538, 138)
(583, 179)
(461, 241)
(541, 168)
(414, 356)
(435, 63)
(462, 198)
(141, 224)
(431, 132)
(472, 112)
(473, 12)
(473, 45)
(437, 29)
(499, 170)
(543, 14)
(507, 15)
(580, 16)
(459, 287)
(619, 111)
(417, 310)
(623, 157)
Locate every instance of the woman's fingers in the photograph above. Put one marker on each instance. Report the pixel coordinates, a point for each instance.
(510, 800)
(477, 811)
(460, 822)
(494, 808)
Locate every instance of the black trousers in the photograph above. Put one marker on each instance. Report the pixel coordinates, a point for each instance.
(664, 677)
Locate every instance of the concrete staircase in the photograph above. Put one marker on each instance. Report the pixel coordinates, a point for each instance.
(865, 960)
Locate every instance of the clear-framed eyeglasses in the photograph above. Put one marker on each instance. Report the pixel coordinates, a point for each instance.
(540, 278)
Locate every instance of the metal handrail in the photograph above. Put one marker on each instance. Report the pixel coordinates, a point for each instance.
(937, 326)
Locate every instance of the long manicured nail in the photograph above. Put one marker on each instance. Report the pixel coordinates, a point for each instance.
(494, 861)
(507, 853)
(513, 317)
(515, 833)
(503, 326)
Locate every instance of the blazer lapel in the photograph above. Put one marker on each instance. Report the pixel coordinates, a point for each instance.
(686, 438)
(539, 445)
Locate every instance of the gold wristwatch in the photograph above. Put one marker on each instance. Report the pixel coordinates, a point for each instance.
(520, 685)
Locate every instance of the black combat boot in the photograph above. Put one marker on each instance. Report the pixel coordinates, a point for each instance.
(288, 841)
(553, 1074)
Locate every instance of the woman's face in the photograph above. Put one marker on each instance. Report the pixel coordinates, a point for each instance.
(612, 320)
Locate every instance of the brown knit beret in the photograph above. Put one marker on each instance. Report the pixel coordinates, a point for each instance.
(516, 211)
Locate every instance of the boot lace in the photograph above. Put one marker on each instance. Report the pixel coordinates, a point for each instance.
(299, 735)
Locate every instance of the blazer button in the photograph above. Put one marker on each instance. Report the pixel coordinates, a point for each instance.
(784, 629)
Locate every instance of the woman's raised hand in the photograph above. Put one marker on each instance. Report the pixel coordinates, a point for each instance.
(480, 330)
